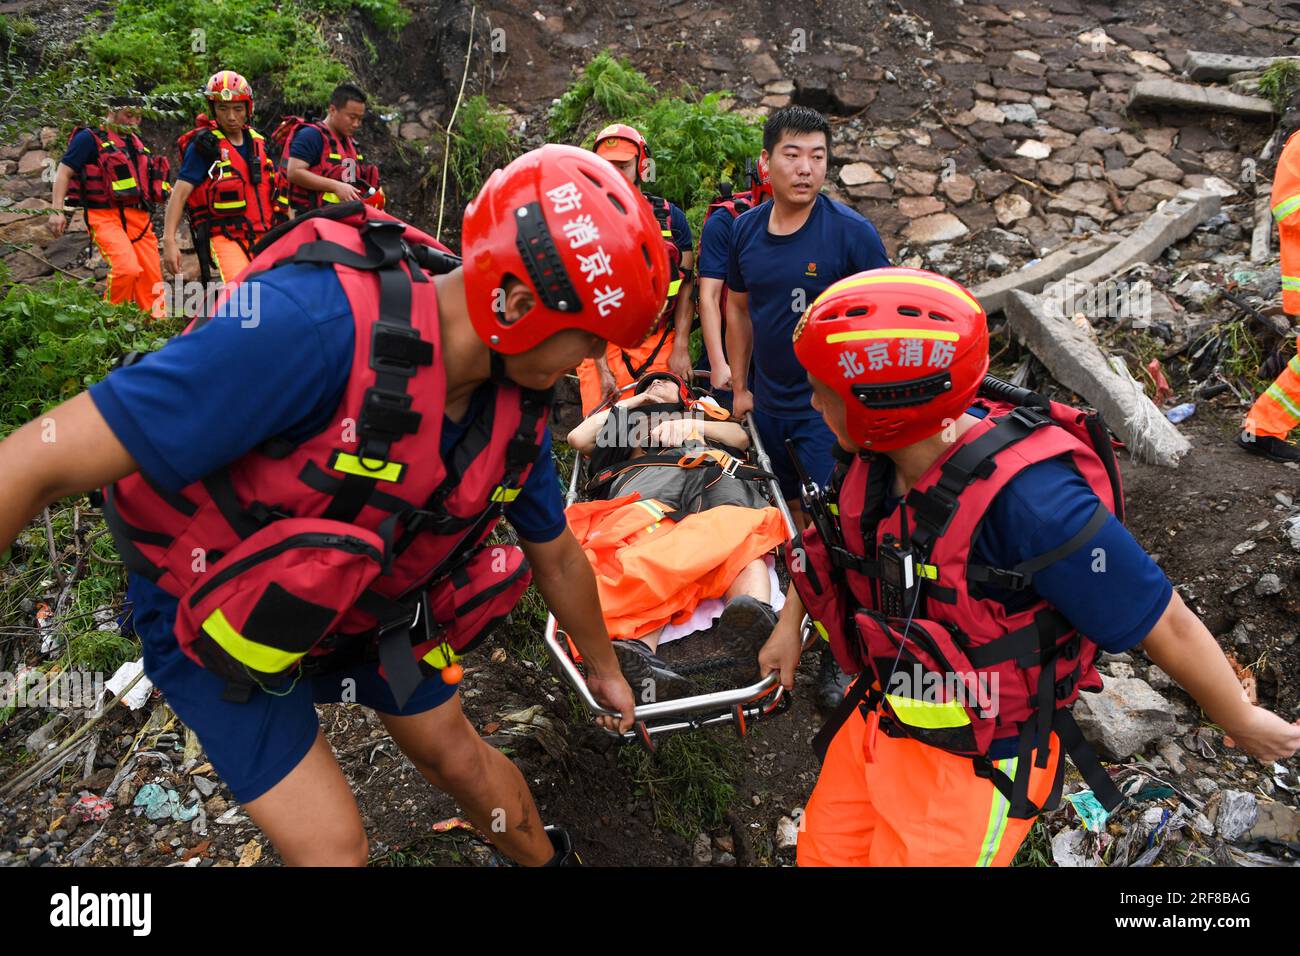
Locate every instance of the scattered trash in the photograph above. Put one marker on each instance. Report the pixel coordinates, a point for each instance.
(1163, 391)
(139, 694)
(1243, 548)
(1076, 848)
(1091, 812)
(1180, 413)
(1234, 812)
(459, 823)
(250, 854)
(91, 807)
(1206, 392)
(1156, 792)
(787, 833)
(230, 817)
(162, 803)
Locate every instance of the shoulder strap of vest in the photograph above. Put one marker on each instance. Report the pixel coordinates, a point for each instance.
(935, 507)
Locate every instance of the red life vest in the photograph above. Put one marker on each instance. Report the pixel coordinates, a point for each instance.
(933, 651)
(339, 159)
(293, 552)
(123, 173)
(234, 200)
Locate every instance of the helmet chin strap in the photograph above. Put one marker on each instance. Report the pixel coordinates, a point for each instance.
(498, 370)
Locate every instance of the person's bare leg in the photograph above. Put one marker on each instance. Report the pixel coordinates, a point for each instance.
(652, 639)
(752, 580)
(311, 816)
(448, 751)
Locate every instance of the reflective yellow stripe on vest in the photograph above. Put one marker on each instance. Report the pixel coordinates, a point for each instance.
(1291, 283)
(368, 467)
(502, 493)
(1286, 207)
(928, 715)
(123, 184)
(821, 629)
(260, 657)
(439, 659)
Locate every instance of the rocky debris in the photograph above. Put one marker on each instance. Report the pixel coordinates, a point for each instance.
(1174, 221)
(1151, 94)
(1268, 584)
(942, 227)
(1032, 278)
(1209, 67)
(1075, 360)
(1123, 717)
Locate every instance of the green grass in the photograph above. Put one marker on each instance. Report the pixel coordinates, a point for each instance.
(1037, 848)
(57, 337)
(694, 142)
(1279, 83)
(481, 141)
(690, 779)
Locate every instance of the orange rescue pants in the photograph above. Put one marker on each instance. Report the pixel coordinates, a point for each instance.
(893, 801)
(228, 256)
(643, 355)
(134, 266)
(1277, 410)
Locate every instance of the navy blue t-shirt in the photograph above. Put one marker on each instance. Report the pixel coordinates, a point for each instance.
(715, 246)
(681, 229)
(81, 150)
(206, 398)
(1109, 587)
(783, 275)
(194, 168)
(307, 145)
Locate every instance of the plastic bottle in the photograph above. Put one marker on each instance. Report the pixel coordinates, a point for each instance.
(1180, 413)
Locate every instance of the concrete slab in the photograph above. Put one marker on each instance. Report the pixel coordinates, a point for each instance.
(1170, 93)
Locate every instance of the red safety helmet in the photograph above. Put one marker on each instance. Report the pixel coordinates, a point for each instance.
(761, 182)
(905, 349)
(227, 86)
(567, 224)
(619, 142)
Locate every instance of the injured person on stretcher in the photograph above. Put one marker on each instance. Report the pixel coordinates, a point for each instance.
(676, 520)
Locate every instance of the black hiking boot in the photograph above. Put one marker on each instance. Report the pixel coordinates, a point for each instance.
(1266, 446)
(744, 627)
(647, 674)
(565, 854)
(832, 683)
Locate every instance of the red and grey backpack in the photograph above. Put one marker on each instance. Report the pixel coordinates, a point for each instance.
(901, 602)
(363, 535)
(339, 159)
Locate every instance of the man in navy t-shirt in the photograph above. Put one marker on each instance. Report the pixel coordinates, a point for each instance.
(308, 160)
(783, 255)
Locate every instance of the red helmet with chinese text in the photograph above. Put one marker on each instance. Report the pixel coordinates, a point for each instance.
(619, 142)
(567, 224)
(227, 86)
(905, 349)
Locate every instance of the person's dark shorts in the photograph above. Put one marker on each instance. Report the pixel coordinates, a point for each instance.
(254, 745)
(813, 440)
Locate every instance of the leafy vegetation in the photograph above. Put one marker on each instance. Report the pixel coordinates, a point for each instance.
(59, 336)
(481, 141)
(695, 143)
(689, 780)
(1279, 83)
(168, 48)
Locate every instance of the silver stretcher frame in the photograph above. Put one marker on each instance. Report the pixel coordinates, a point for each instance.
(736, 707)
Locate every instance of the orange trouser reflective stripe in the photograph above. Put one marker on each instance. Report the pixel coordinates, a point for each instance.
(228, 256)
(589, 377)
(892, 801)
(1277, 410)
(134, 267)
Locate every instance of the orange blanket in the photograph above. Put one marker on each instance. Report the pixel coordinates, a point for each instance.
(651, 570)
